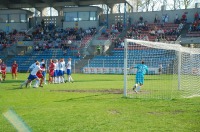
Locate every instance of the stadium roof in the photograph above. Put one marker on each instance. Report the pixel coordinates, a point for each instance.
(15, 4)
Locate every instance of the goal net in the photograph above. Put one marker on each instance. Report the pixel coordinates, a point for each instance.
(173, 70)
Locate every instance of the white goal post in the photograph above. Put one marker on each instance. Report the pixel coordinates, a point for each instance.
(180, 75)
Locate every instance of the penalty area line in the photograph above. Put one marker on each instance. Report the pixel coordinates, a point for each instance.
(16, 121)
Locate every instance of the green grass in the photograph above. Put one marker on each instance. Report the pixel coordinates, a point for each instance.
(45, 109)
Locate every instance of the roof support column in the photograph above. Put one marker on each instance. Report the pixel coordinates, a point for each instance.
(107, 10)
(125, 15)
(60, 10)
(40, 10)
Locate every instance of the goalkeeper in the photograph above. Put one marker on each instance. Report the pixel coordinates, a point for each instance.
(142, 69)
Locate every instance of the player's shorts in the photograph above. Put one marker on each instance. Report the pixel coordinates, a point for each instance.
(61, 73)
(68, 71)
(3, 72)
(55, 73)
(32, 77)
(40, 75)
(139, 78)
(51, 73)
(14, 71)
(43, 73)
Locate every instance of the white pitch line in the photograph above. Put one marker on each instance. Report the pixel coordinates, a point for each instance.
(16, 121)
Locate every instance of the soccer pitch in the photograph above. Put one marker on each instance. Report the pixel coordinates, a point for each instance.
(95, 103)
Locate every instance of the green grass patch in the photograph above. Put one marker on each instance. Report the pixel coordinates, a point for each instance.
(89, 105)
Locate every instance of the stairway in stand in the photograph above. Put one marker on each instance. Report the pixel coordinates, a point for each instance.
(80, 64)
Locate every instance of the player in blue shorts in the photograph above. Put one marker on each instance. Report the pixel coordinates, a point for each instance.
(42, 63)
(69, 68)
(56, 70)
(33, 76)
(142, 69)
(61, 71)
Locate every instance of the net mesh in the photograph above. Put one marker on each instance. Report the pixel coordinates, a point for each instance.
(173, 70)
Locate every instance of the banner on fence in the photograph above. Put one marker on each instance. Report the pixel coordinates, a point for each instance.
(114, 70)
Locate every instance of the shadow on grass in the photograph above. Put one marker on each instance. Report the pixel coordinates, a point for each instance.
(106, 80)
(16, 88)
(96, 93)
(72, 99)
(12, 81)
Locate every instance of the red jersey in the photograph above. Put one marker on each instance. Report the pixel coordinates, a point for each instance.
(184, 16)
(52, 66)
(39, 73)
(14, 66)
(3, 67)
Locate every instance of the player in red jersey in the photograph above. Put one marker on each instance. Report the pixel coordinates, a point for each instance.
(3, 71)
(40, 75)
(14, 70)
(51, 71)
(0, 69)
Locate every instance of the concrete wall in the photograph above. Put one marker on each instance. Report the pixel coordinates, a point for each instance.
(113, 18)
(10, 27)
(15, 11)
(81, 24)
(90, 8)
(150, 16)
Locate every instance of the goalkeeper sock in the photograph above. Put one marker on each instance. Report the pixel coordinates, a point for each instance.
(137, 88)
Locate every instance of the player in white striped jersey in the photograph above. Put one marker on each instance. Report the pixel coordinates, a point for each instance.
(29, 70)
(69, 67)
(56, 70)
(61, 71)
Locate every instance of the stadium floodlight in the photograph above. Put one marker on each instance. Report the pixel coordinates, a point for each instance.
(173, 70)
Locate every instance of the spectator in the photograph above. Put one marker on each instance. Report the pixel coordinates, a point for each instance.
(98, 49)
(146, 38)
(196, 16)
(156, 19)
(163, 19)
(122, 44)
(166, 18)
(199, 15)
(65, 52)
(78, 55)
(152, 32)
(184, 18)
(176, 19)
(36, 48)
(141, 19)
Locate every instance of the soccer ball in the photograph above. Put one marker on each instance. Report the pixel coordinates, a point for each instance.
(69, 42)
(135, 86)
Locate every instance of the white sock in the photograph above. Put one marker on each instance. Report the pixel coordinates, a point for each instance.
(54, 80)
(24, 83)
(45, 80)
(62, 79)
(138, 88)
(69, 79)
(37, 83)
(59, 79)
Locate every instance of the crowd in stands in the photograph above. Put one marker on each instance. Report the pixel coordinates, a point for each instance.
(7, 39)
(46, 37)
(195, 25)
(157, 31)
(60, 38)
(112, 32)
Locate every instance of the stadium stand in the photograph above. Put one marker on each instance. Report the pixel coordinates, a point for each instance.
(26, 60)
(194, 29)
(116, 60)
(51, 40)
